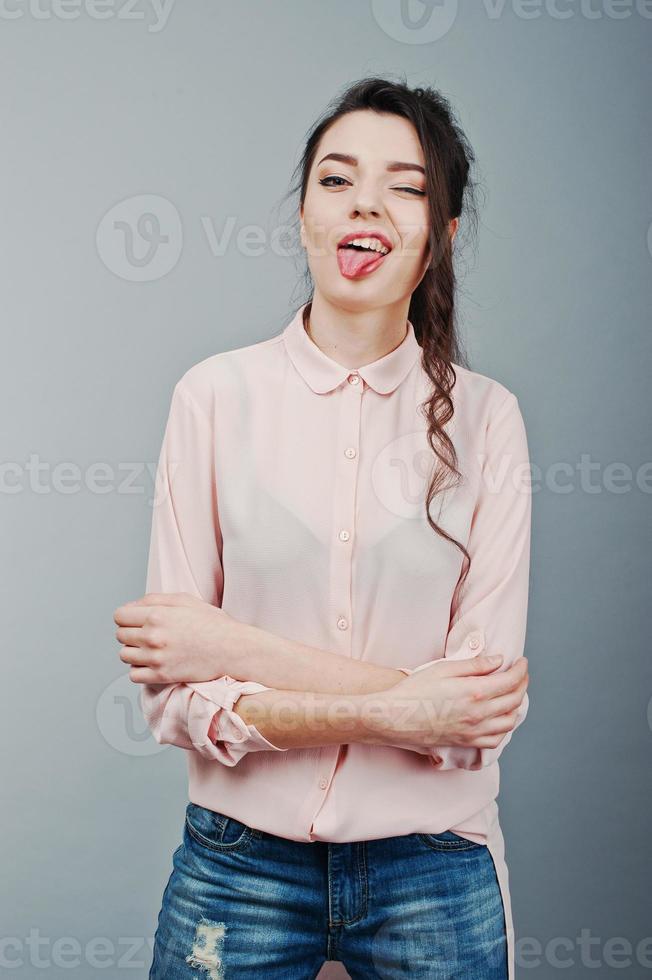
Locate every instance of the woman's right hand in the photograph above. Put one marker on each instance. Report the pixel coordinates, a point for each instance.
(470, 702)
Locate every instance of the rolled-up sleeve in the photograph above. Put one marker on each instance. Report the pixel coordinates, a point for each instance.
(184, 556)
(489, 612)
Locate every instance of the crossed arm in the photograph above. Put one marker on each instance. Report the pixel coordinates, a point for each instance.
(326, 698)
(303, 696)
(315, 697)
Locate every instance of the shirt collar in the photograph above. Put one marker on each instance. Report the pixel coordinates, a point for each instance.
(323, 374)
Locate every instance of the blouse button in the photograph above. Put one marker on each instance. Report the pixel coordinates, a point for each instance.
(350, 452)
(344, 535)
(474, 643)
(323, 783)
(342, 624)
(354, 379)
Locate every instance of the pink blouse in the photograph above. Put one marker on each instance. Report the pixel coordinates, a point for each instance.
(290, 492)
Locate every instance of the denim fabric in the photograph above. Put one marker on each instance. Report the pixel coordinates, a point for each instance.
(244, 903)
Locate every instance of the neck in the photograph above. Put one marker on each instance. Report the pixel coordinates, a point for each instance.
(354, 338)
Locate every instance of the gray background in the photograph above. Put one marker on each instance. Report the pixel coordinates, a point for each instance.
(208, 111)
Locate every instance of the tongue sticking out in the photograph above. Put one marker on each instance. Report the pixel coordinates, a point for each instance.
(354, 262)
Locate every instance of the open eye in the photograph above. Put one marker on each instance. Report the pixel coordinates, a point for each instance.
(332, 177)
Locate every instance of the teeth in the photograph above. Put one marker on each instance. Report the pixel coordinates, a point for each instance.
(371, 243)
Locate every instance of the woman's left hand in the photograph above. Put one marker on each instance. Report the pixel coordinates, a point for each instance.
(175, 637)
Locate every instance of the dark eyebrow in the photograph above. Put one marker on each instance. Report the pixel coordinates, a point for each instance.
(393, 166)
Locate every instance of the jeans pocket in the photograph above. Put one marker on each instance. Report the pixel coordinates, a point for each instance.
(448, 840)
(218, 831)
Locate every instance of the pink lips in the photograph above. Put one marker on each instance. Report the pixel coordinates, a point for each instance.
(355, 263)
(366, 233)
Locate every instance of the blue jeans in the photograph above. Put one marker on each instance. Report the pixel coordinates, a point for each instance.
(243, 903)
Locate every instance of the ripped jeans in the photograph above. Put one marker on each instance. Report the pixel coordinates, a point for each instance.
(243, 903)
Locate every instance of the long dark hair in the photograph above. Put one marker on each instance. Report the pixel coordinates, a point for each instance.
(450, 194)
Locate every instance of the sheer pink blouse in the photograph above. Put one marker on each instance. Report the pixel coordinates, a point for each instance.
(290, 492)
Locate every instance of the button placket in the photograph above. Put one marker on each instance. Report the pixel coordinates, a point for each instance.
(346, 462)
(343, 514)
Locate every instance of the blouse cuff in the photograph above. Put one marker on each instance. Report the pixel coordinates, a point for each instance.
(229, 732)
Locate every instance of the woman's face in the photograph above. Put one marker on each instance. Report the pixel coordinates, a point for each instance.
(380, 188)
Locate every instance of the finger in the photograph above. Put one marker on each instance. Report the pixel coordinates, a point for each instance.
(486, 741)
(500, 725)
(480, 664)
(131, 614)
(143, 675)
(135, 655)
(504, 681)
(503, 704)
(130, 636)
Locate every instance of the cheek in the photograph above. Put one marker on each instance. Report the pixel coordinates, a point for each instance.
(317, 230)
(318, 219)
(413, 232)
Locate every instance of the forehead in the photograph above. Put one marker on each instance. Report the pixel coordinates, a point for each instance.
(372, 137)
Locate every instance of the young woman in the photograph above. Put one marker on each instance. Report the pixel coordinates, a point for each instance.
(340, 540)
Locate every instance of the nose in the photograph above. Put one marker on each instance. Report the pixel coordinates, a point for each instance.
(366, 200)
(365, 209)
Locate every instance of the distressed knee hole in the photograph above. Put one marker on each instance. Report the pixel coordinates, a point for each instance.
(207, 949)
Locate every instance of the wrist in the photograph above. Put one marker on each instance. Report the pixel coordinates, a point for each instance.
(397, 718)
(378, 717)
(235, 648)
